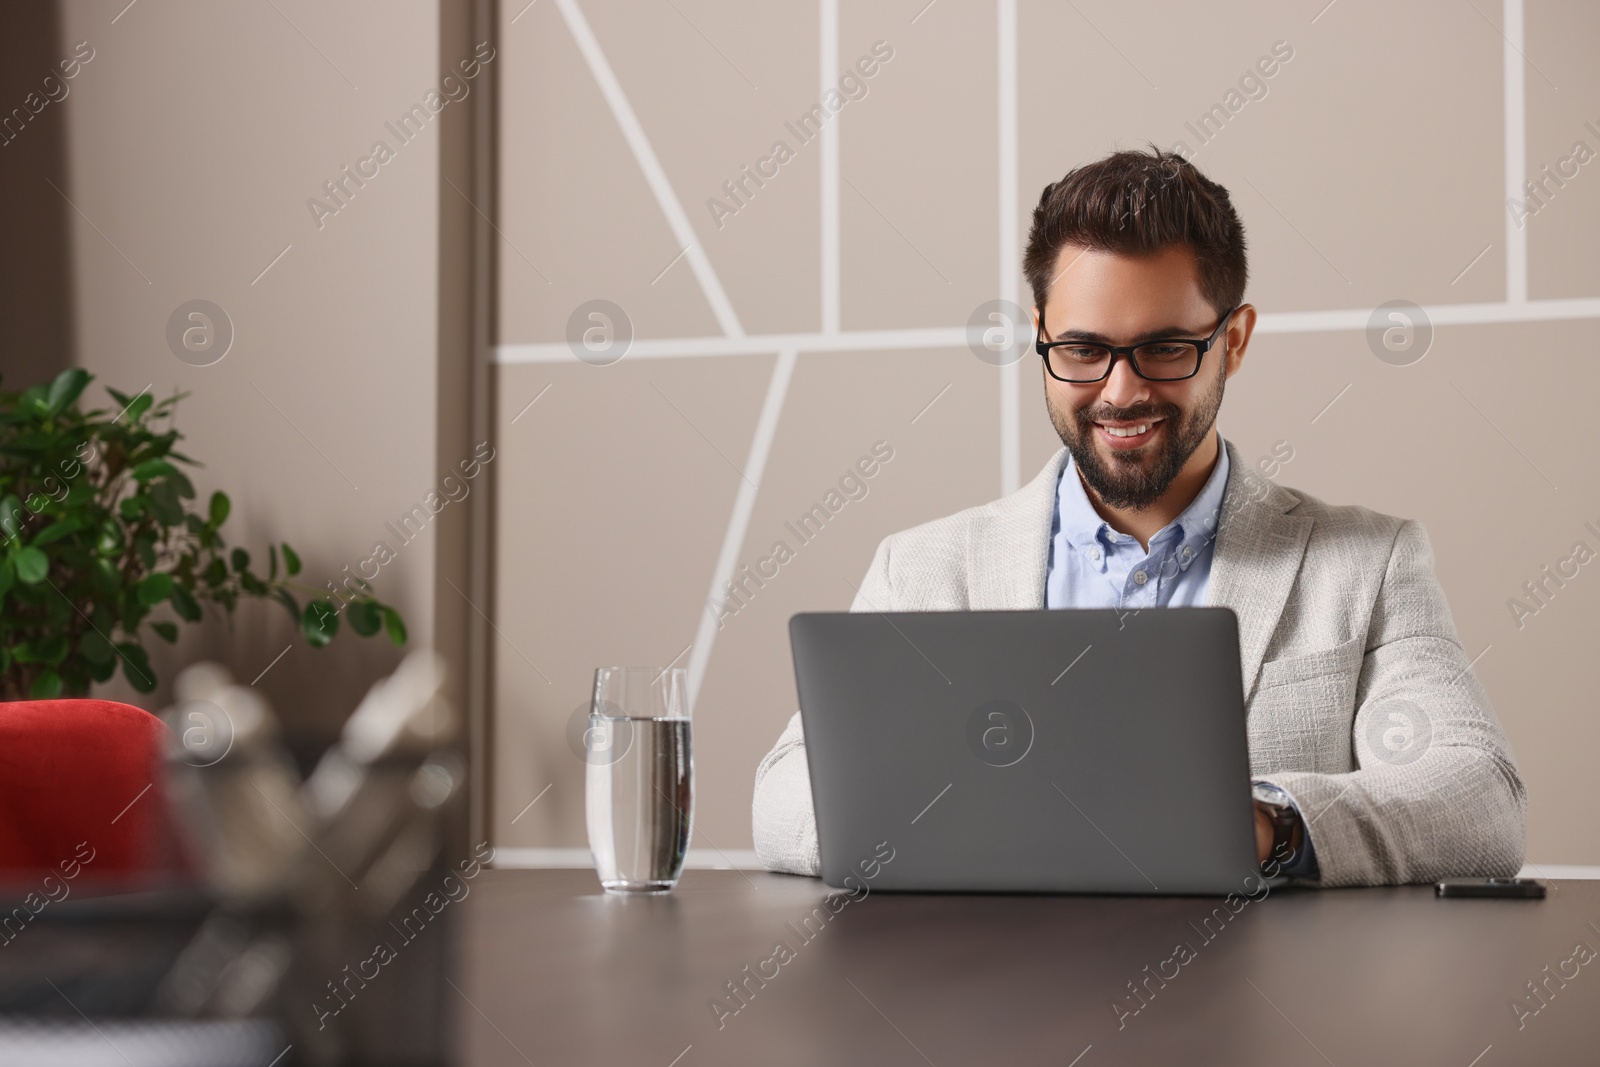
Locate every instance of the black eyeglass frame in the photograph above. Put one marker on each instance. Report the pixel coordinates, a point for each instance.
(1043, 347)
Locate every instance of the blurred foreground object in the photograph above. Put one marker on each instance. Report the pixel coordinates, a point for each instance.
(235, 784)
(292, 886)
(311, 875)
(79, 1043)
(78, 789)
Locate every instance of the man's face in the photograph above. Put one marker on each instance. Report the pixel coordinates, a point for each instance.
(1130, 437)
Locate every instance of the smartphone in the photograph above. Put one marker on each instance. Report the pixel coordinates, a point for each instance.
(1521, 888)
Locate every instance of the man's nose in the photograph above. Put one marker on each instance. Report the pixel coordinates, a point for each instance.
(1124, 388)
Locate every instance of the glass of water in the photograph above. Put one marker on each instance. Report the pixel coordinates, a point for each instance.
(639, 783)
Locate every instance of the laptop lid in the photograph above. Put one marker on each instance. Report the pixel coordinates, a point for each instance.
(1089, 751)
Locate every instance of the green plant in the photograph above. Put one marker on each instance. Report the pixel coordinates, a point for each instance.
(98, 535)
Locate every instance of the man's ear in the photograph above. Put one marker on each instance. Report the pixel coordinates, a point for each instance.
(1240, 329)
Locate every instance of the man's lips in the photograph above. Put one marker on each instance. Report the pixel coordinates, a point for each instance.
(1123, 434)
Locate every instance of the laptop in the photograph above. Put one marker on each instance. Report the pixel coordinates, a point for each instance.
(1057, 750)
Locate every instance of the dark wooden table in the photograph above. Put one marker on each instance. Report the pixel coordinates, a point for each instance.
(554, 972)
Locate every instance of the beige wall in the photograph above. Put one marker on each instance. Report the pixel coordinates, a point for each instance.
(194, 138)
(1373, 169)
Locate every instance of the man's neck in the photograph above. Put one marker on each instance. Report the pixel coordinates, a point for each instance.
(1145, 523)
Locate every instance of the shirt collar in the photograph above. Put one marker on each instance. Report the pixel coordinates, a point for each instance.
(1084, 527)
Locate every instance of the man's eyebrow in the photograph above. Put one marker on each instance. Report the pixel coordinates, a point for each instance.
(1180, 332)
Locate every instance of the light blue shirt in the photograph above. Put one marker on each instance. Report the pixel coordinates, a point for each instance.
(1093, 566)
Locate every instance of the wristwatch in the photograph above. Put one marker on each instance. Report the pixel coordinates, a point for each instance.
(1285, 820)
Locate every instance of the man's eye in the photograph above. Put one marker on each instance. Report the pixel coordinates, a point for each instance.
(1083, 355)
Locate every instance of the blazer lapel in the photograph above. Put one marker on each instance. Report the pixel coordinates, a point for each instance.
(1260, 544)
(1008, 545)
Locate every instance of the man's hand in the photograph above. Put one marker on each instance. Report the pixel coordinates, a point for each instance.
(1263, 833)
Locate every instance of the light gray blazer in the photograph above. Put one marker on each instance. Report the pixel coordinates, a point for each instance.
(1344, 635)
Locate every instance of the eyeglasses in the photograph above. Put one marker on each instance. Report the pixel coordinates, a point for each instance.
(1170, 359)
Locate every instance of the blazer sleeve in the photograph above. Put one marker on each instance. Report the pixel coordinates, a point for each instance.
(1436, 792)
(783, 821)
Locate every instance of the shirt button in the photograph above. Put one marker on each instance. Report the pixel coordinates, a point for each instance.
(1188, 554)
(1140, 577)
(1094, 553)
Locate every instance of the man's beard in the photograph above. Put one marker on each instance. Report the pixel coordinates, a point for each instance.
(1130, 480)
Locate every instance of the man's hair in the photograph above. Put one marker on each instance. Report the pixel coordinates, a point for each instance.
(1138, 203)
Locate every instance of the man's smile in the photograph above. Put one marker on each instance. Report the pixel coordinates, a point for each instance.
(1124, 435)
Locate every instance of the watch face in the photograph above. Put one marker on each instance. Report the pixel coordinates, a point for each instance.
(1268, 793)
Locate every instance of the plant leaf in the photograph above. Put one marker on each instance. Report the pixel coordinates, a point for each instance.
(53, 649)
(272, 562)
(241, 560)
(136, 667)
(111, 541)
(291, 561)
(45, 687)
(167, 630)
(94, 648)
(32, 565)
(10, 521)
(153, 468)
(164, 503)
(320, 622)
(396, 626)
(107, 579)
(67, 387)
(184, 603)
(130, 612)
(154, 589)
(287, 599)
(144, 546)
(220, 506)
(55, 532)
(366, 618)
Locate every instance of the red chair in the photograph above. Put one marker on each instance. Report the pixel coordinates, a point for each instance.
(81, 793)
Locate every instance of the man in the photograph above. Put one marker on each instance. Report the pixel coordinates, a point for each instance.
(1376, 756)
